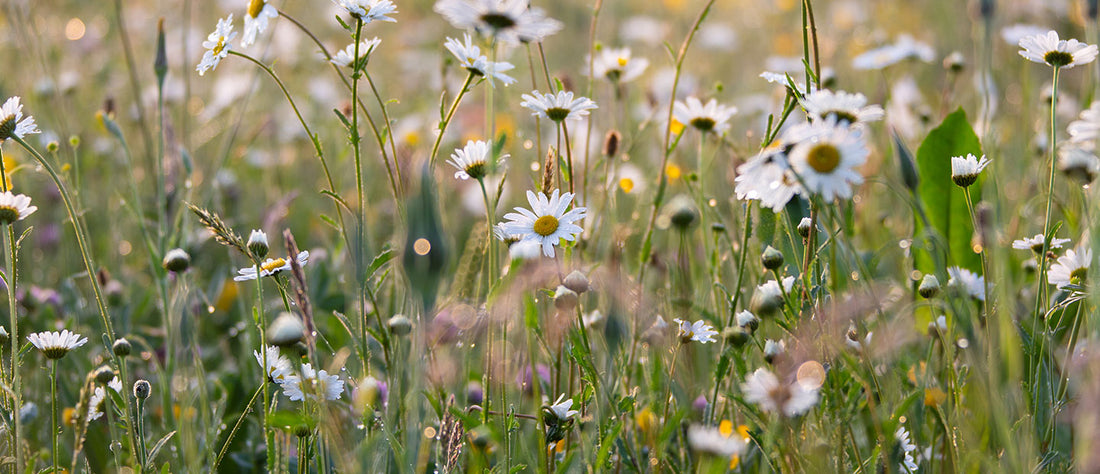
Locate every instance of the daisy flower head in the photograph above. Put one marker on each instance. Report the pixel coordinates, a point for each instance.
(904, 48)
(1035, 244)
(1059, 53)
(557, 107)
(470, 57)
(709, 117)
(313, 384)
(966, 169)
(270, 266)
(1071, 268)
(767, 178)
(276, 367)
(54, 345)
(844, 106)
(764, 389)
(95, 404)
(1086, 129)
(15, 207)
(561, 408)
(347, 58)
(1079, 163)
(510, 21)
(967, 281)
(825, 157)
(12, 122)
(618, 65)
(547, 222)
(256, 20)
(472, 160)
(698, 331)
(908, 463)
(369, 10)
(712, 440)
(217, 45)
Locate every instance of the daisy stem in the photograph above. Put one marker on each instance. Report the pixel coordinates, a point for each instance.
(53, 411)
(10, 279)
(1041, 284)
(354, 137)
(808, 251)
(261, 321)
(985, 264)
(488, 234)
(668, 388)
(447, 119)
(568, 155)
(236, 426)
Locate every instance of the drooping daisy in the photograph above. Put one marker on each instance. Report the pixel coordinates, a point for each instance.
(774, 349)
(618, 65)
(712, 440)
(12, 122)
(1035, 244)
(547, 222)
(312, 384)
(698, 331)
(256, 20)
(767, 178)
(1071, 268)
(1086, 129)
(904, 48)
(472, 160)
(54, 345)
(908, 464)
(825, 157)
(1048, 49)
(277, 367)
(217, 45)
(969, 282)
(510, 21)
(763, 388)
(557, 107)
(15, 207)
(345, 57)
(1078, 163)
(748, 321)
(966, 169)
(844, 106)
(270, 266)
(561, 409)
(368, 10)
(470, 57)
(711, 117)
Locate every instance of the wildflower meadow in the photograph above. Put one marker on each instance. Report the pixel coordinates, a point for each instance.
(420, 236)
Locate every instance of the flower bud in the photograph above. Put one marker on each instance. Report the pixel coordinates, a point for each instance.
(929, 286)
(954, 62)
(804, 227)
(302, 430)
(121, 347)
(773, 350)
(772, 258)
(286, 330)
(257, 244)
(142, 389)
(576, 281)
(565, 299)
(748, 321)
(611, 143)
(176, 261)
(399, 325)
(682, 212)
(104, 374)
(736, 336)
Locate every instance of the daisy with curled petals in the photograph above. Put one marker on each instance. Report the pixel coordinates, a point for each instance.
(270, 266)
(314, 384)
(1057, 53)
(714, 441)
(12, 122)
(54, 345)
(966, 169)
(709, 117)
(825, 157)
(767, 178)
(95, 404)
(908, 464)
(510, 21)
(698, 331)
(470, 57)
(764, 389)
(256, 20)
(547, 222)
(276, 366)
(1035, 244)
(561, 409)
(346, 57)
(369, 10)
(844, 106)
(217, 45)
(557, 107)
(618, 65)
(967, 281)
(15, 207)
(472, 160)
(1071, 268)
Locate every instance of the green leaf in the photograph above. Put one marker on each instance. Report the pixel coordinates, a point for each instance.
(156, 449)
(943, 200)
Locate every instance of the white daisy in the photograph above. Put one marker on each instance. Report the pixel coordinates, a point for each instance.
(346, 57)
(904, 48)
(1035, 244)
(1012, 34)
(767, 178)
(115, 384)
(1071, 268)
(256, 20)
(967, 281)
(844, 106)
(15, 207)
(698, 331)
(472, 160)
(470, 57)
(1078, 163)
(771, 289)
(12, 122)
(825, 157)
(763, 388)
(712, 440)
(1048, 49)
(782, 80)
(278, 366)
(965, 169)
(712, 117)
(510, 21)
(908, 464)
(562, 410)
(547, 222)
(368, 10)
(853, 341)
(618, 65)
(95, 404)
(54, 345)
(270, 266)
(1086, 129)
(217, 45)
(557, 107)
(312, 384)
(939, 325)
(773, 349)
(747, 320)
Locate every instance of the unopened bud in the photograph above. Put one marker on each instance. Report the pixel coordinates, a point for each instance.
(929, 286)
(576, 281)
(772, 258)
(176, 261)
(804, 227)
(104, 374)
(121, 347)
(565, 299)
(954, 62)
(399, 325)
(257, 244)
(611, 143)
(142, 389)
(736, 336)
(748, 321)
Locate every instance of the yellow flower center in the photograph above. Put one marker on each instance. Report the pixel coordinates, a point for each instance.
(272, 265)
(627, 184)
(622, 62)
(823, 158)
(254, 7)
(219, 47)
(546, 225)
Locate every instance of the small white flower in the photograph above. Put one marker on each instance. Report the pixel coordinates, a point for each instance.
(618, 65)
(763, 388)
(472, 160)
(562, 410)
(1078, 163)
(1012, 34)
(844, 106)
(711, 440)
(781, 79)
(825, 157)
(547, 222)
(1086, 129)
(1048, 49)
(115, 384)
(312, 384)
(256, 20)
(15, 207)
(773, 349)
(967, 281)
(965, 170)
(852, 339)
(368, 10)
(270, 266)
(54, 345)
(1035, 244)
(904, 48)
(557, 107)
(939, 325)
(510, 21)
(277, 367)
(767, 178)
(698, 331)
(746, 319)
(908, 464)
(470, 57)
(346, 57)
(12, 122)
(95, 404)
(709, 117)
(771, 289)
(217, 45)
(1071, 268)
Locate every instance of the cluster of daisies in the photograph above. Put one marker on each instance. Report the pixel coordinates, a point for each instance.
(305, 383)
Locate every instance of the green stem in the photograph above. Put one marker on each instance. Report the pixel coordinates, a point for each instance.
(236, 426)
(262, 323)
(54, 427)
(1050, 196)
(447, 119)
(17, 390)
